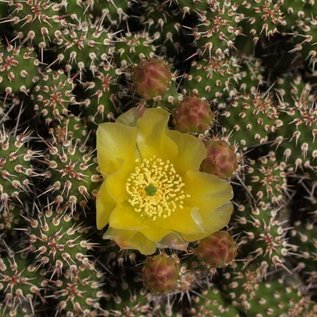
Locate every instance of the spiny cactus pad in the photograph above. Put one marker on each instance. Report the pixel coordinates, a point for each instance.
(233, 87)
(18, 69)
(73, 171)
(16, 169)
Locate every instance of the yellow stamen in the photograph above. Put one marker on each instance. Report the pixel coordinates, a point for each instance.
(155, 188)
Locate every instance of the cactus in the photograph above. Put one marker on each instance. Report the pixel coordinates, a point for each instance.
(83, 46)
(246, 291)
(151, 78)
(193, 115)
(238, 79)
(52, 94)
(221, 158)
(113, 12)
(57, 240)
(217, 29)
(102, 102)
(217, 250)
(160, 273)
(70, 129)
(10, 218)
(21, 284)
(132, 48)
(78, 293)
(74, 174)
(18, 69)
(16, 169)
(35, 20)
(265, 114)
(211, 303)
(212, 78)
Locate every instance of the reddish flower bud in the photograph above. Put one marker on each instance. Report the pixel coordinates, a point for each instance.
(193, 115)
(221, 159)
(151, 78)
(160, 273)
(217, 250)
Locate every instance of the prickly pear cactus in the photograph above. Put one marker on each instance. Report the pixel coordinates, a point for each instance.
(158, 158)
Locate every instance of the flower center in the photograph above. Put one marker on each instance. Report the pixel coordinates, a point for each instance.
(155, 189)
(150, 190)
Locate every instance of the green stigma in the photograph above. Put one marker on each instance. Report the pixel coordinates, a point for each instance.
(150, 190)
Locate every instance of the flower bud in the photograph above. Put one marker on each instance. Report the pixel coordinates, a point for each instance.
(160, 273)
(221, 159)
(151, 78)
(193, 115)
(217, 250)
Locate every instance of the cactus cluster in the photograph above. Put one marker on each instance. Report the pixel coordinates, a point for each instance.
(238, 75)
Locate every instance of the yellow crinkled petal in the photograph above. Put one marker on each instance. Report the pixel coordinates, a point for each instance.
(196, 236)
(191, 151)
(182, 221)
(206, 190)
(214, 220)
(154, 233)
(130, 117)
(131, 240)
(104, 206)
(210, 198)
(152, 138)
(124, 217)
(174, 241)
(116, 183)
(116, 146)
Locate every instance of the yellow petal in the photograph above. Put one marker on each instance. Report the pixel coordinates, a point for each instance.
(131, 240)
(154, 233)
(174, 241)
(116, 183)
(116, 146)
(104, 206)
(206, 190)
(195, 236)
(191, 151)
(212, 220)
(130, 117)
(152, 138)
(216, 219)
(124, 217)
(182, 221)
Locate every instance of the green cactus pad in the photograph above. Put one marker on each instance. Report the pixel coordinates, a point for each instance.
(72, 169)
(132, 48)
(83, 46)
(15, 168)
(113, 12)
(18, 69)
(21, 284)
(52, 94)
(35, 20)
(296, 141)
(102, 102)
(211, 304)
(254, 296)
(217, 30)
(212, 79)
(58, 241)
(263, 18)
(70, 129)
(10, 218)
(79, 291)
(250, 119)
(266, 180)
(163, 22)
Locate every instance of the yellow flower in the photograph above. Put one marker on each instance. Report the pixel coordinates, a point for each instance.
(153, 194)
